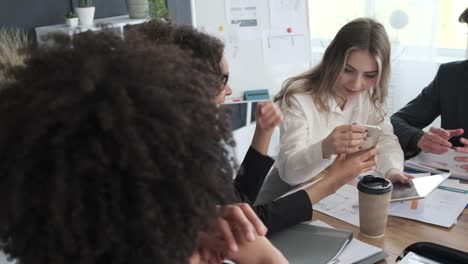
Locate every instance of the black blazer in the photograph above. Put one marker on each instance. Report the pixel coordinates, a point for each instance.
(447, 96)
(276, 215)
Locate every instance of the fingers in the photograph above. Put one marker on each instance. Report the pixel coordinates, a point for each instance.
(243, 217)
(227, 233)
(368, 154)
(433, 143)
(367, 165)
(455, 132)
(351, 128)
(435, 138)
(403, 179)
(210, 246)
(272, 119)
(269, 115)
(464, 149)
(253, 219)
(235, 216)
(461, 159)
(433, 148)
(396, 176)
(464, 141)
(352, 136)
(341, 157)
(348, 142)
(441, 132)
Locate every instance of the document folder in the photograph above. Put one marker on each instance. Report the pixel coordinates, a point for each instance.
(305, 244)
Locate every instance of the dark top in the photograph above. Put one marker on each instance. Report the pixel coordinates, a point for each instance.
(447, 96)
(276, 215)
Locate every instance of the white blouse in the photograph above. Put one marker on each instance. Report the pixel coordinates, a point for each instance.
(304, 128)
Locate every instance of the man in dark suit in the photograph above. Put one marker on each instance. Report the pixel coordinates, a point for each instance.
(446, 97)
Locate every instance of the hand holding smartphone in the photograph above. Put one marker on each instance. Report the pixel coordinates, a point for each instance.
(373, 133)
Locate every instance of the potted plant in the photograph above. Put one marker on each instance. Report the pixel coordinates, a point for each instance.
(137, 9)
(71, 19)
(158, 9)
(14, 46)
(85, 11)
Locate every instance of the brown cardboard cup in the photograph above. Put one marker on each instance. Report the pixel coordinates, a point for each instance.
(374, 199)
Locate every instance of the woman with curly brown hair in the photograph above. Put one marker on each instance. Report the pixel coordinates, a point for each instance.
(99, 162)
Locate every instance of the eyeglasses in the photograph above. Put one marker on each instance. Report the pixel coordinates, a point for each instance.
(225, 79)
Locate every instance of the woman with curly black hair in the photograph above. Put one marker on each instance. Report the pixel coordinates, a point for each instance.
(108, 154)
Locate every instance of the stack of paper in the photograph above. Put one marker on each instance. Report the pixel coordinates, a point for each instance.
(439, 163)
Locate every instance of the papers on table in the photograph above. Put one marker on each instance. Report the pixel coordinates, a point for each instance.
(442, 207)
(439, 163)
(355, 251)
(342, 205)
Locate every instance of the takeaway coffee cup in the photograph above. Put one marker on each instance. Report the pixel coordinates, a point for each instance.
(374, 199)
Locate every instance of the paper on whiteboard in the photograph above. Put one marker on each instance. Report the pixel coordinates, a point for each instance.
(288, 14)
(292, 49)
(230, 37)
(243, 13)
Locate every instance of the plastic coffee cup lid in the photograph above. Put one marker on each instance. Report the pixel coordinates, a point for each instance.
(374, 185)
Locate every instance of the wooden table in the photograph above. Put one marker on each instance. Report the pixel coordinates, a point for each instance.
(403, 232)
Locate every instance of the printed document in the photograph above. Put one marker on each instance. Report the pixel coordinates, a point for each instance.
(439, 163)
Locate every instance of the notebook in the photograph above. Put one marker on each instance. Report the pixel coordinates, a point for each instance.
(356, 251)
(307, 244)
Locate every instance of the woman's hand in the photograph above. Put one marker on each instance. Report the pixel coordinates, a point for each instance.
(395, 175)
(343, 169)
(344, 139)
(235, 223)
(347, 167)
(268, 116)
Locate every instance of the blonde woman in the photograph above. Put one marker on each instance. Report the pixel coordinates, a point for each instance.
(325, 107)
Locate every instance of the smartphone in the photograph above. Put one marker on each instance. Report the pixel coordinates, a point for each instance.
(373, 133)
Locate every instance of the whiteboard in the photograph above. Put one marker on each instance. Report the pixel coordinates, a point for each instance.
(248, 70)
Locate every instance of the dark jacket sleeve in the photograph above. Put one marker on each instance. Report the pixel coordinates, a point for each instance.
(252, 173)
(284, 212)
(416, 115)
(276, 215)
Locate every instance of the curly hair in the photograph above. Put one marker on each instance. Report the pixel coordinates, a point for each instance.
(202, 46)
(103, 160)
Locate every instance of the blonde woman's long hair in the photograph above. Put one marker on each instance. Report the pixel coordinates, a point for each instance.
(363, 34)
